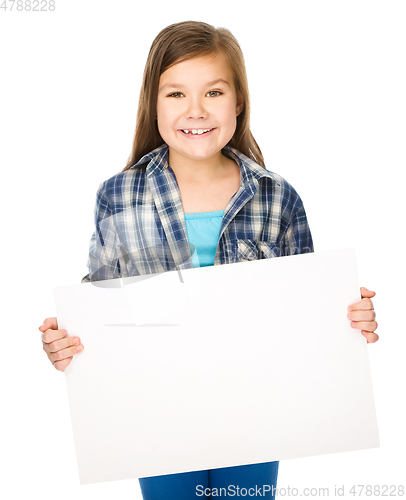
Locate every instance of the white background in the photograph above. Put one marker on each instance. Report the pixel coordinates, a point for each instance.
(327, 84)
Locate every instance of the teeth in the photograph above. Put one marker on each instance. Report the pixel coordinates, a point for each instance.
(197, 132)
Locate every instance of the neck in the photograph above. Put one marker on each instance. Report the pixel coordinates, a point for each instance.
(198, 171)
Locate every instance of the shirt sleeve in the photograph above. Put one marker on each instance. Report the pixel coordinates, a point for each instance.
(297, 238)
(103, 261)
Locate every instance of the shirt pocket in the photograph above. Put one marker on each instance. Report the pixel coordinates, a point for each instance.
(255, 249)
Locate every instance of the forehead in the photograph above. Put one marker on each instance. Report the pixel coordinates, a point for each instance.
(198, 70)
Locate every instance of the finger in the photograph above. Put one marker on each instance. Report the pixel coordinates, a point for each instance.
(57, 345)
(362, 304)
(370, 336)
(367, 293)
(366, 315)
(61, 365)
(369, 326)
(65, 353)
(49, 323)
(51, 335)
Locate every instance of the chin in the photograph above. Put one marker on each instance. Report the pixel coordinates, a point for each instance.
(197, 152)
(200, 156)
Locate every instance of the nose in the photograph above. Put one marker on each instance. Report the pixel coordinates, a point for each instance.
(196, 109)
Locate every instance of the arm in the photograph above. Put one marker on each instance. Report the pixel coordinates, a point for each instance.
(104, 259)
(297, 238)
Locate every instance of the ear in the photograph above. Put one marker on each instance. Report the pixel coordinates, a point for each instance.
(240, 103)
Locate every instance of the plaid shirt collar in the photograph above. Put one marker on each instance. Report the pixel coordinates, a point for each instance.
(250, 171)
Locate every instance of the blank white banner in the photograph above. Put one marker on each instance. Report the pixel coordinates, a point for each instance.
(217, 366)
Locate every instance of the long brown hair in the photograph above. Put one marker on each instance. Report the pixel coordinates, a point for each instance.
(174, 44)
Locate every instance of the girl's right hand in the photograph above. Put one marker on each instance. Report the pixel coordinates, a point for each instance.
(59, 347)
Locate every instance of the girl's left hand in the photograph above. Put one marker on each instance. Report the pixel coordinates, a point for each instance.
(363, 315)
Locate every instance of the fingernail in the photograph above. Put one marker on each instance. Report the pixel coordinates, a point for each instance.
(80, 347)
(352, 323)
(76, 341)
(349, 308)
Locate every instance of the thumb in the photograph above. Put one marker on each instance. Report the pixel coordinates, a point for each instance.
(365, 293)
(49, 323)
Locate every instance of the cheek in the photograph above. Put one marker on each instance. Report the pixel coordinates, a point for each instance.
(230, 119)
(230, 114)
(162, 122)
(165, 118)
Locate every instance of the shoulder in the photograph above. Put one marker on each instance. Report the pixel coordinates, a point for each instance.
(122, 188)
(132, 182)
(270, 185)
(279, 187)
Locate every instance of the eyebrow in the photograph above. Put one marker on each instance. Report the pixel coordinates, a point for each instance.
(179, 86)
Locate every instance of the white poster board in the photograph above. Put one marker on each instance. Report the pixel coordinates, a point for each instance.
(217, 366)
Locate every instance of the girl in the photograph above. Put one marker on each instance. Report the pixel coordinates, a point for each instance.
(195, 192)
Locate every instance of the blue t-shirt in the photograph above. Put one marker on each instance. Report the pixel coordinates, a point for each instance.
(203, 231)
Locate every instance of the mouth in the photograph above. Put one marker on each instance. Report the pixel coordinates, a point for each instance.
(196, 133)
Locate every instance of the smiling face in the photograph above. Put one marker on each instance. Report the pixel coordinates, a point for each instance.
(197, 95)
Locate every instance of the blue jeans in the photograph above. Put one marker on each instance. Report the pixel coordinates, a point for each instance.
(250, 481)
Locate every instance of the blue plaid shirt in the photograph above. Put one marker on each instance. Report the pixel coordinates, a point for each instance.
(140, 224)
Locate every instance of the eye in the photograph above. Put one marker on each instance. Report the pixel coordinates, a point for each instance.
(176, 95)
(214, 92)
